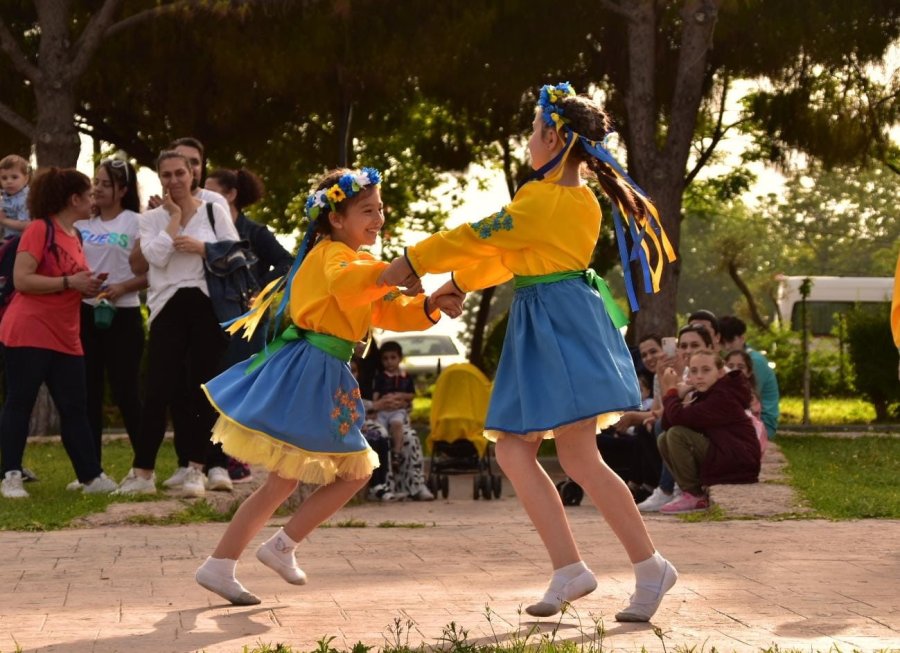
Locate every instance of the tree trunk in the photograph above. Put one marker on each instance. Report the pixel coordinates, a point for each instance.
(476, 355)
(55, 137)
(484, 308)
(661, 170)
(657, 312)
(745, 291)
(44, 416)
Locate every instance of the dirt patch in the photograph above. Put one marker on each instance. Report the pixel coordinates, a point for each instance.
(170, 504)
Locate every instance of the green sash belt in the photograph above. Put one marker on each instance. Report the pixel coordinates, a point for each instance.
(594, 280)
(331, 345)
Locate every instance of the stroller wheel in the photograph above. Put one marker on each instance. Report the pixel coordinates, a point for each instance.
(571, 493)
(476, 487)
(496, 486)
(431, 484)
(445, 485)
(485, 487)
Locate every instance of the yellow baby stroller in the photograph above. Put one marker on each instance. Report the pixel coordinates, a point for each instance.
(456, 442)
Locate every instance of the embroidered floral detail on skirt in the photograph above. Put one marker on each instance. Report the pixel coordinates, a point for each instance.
(345, 413)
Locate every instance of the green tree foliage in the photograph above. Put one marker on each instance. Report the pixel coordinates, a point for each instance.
(844, 221)
(874, 358)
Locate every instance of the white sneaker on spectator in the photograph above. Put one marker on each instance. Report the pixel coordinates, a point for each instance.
(194, 483)
(176, 479)
(218, 479)
(103, 484)
(424, 494)
(74, 486)
(11, 486)
(134, 484)
(655, 501)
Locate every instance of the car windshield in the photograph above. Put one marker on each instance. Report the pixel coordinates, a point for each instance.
(427, 346)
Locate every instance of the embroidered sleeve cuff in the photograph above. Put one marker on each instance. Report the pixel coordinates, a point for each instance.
(456, 285)
(435, 315)
(410, 255)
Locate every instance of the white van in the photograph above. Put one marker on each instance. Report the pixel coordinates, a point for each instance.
(828, 296)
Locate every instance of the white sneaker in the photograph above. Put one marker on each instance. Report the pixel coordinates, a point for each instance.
(424, 494)
(218, 479)
(11, 486)
(134, 484)
(74, 486)
(655, 501)
(194, 483)
(176, 479)
(103, 484)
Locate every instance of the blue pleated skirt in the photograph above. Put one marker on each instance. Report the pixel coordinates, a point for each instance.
(563, 361)
(299, 414)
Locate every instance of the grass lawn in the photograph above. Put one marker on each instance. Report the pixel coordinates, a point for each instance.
(829, 411)
(51, 506)
(846, 478)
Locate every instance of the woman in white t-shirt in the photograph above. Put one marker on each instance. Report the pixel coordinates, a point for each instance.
(186, 342)
(113, 347)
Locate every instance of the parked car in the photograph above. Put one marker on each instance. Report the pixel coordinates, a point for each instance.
(426, 353)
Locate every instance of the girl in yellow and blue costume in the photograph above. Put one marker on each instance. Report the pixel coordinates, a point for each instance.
(564, 367)
(295, 407)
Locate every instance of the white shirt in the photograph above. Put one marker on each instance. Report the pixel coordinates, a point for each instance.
(107, 245)
(171, 270)
(212, 196)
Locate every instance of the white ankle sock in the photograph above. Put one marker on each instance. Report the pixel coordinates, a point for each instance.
(647, 572)
(567, 584)
(221, 566)
(282, 544)
(217, 575)
(277, 553)
(653, 577)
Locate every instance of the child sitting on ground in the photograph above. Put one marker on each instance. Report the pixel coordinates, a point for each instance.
(709, 437)
(393, 382)
(15, 173)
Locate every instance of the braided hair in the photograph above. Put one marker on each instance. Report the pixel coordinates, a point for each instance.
(587, 118)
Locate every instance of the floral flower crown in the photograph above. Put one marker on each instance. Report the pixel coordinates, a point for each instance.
(548, 101)
(349, 185)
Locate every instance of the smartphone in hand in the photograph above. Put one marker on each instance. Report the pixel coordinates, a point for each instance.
(669, 346)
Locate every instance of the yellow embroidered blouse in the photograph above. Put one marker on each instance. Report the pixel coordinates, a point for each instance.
(546, 228)
(336, 291)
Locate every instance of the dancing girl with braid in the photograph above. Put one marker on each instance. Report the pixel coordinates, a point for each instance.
(563, 331)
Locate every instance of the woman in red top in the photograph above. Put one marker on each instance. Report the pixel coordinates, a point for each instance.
(40, 330)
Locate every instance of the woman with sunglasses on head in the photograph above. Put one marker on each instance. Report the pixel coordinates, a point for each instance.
(112, 327)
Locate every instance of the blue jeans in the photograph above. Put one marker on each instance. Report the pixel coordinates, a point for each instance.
(26, 369)
(666, 480)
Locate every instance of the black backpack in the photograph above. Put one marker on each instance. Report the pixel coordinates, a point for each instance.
(229, 275)
(8, 250)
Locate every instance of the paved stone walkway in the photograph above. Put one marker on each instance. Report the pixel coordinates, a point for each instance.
(744, 585)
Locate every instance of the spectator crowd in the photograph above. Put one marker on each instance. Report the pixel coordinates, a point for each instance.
(77, 253)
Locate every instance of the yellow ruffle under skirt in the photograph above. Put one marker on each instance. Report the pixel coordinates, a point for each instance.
(604, 420)
(288, 461)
